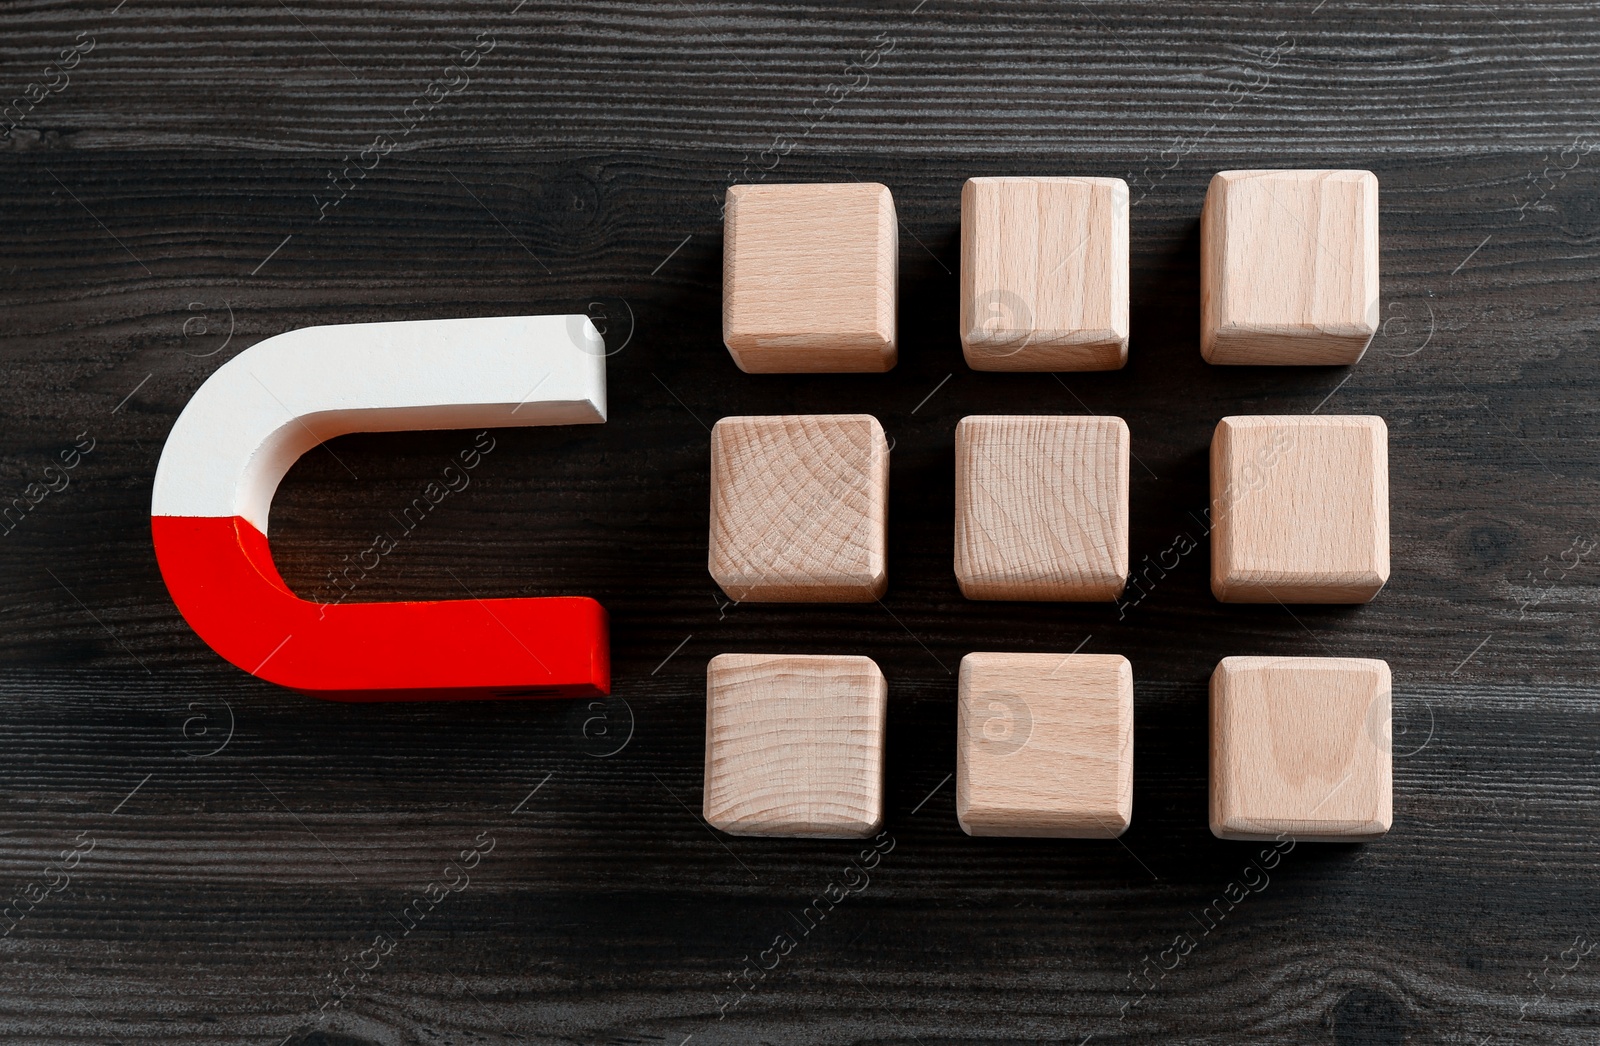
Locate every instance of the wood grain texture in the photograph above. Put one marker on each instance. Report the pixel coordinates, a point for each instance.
(1044, 273)
(592, 142)
(1041, 507)
(1044, 745)
(1289, 267)
(810, 277)
(794, 745)
(1300, 747)
(800, 508)
(1299, 509)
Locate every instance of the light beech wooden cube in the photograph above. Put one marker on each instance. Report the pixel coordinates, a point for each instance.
(1041, 507)
(809, 277)
(1300, 747)
(800, 508)
(1044, 273)
(794, 745)
(1044, 745)
(1289, 267)
(1299, 509)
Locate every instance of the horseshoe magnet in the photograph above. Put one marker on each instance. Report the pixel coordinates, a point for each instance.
(261, 410)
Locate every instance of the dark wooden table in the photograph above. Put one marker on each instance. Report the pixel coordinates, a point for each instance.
(216, 857)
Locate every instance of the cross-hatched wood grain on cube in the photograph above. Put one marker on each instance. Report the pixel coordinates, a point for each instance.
(1044, 273)
(1289, 267)
(794, 745)
(1041, 507)
(809, 278)
(1300, 747)
(800, 508)
(1299, 508)
(1044, 745)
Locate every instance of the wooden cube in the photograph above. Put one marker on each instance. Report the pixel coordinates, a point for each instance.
(1299, 509)
(1300, 747)
(1041, 507)
(1044, 745)
(1289, 267)
(1044, 273)
(794, 745)
(800, 508)
(809, 278)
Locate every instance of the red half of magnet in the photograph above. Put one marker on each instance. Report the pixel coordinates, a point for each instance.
(222, 578)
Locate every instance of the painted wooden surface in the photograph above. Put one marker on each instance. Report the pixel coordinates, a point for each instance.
(177, 182)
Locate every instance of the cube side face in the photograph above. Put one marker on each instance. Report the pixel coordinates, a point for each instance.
(1044, 274)
(1044, 745)
(1041, 507)
(1289, 267)
(1300, 747)
(810, 275)
(794, 745)
(1300, 509)
(800, 508)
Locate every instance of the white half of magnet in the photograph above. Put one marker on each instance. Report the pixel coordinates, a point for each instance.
(249, 422)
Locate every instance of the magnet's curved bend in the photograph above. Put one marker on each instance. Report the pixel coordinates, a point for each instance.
(261, 410)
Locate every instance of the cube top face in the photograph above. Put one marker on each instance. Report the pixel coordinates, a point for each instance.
(1044, 273)
(809, 278)
(1041, 507)
(1044, 745)
(800, 508)
(1300, 746)
(794, 745)
(1289, 267)
(1299, 509)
